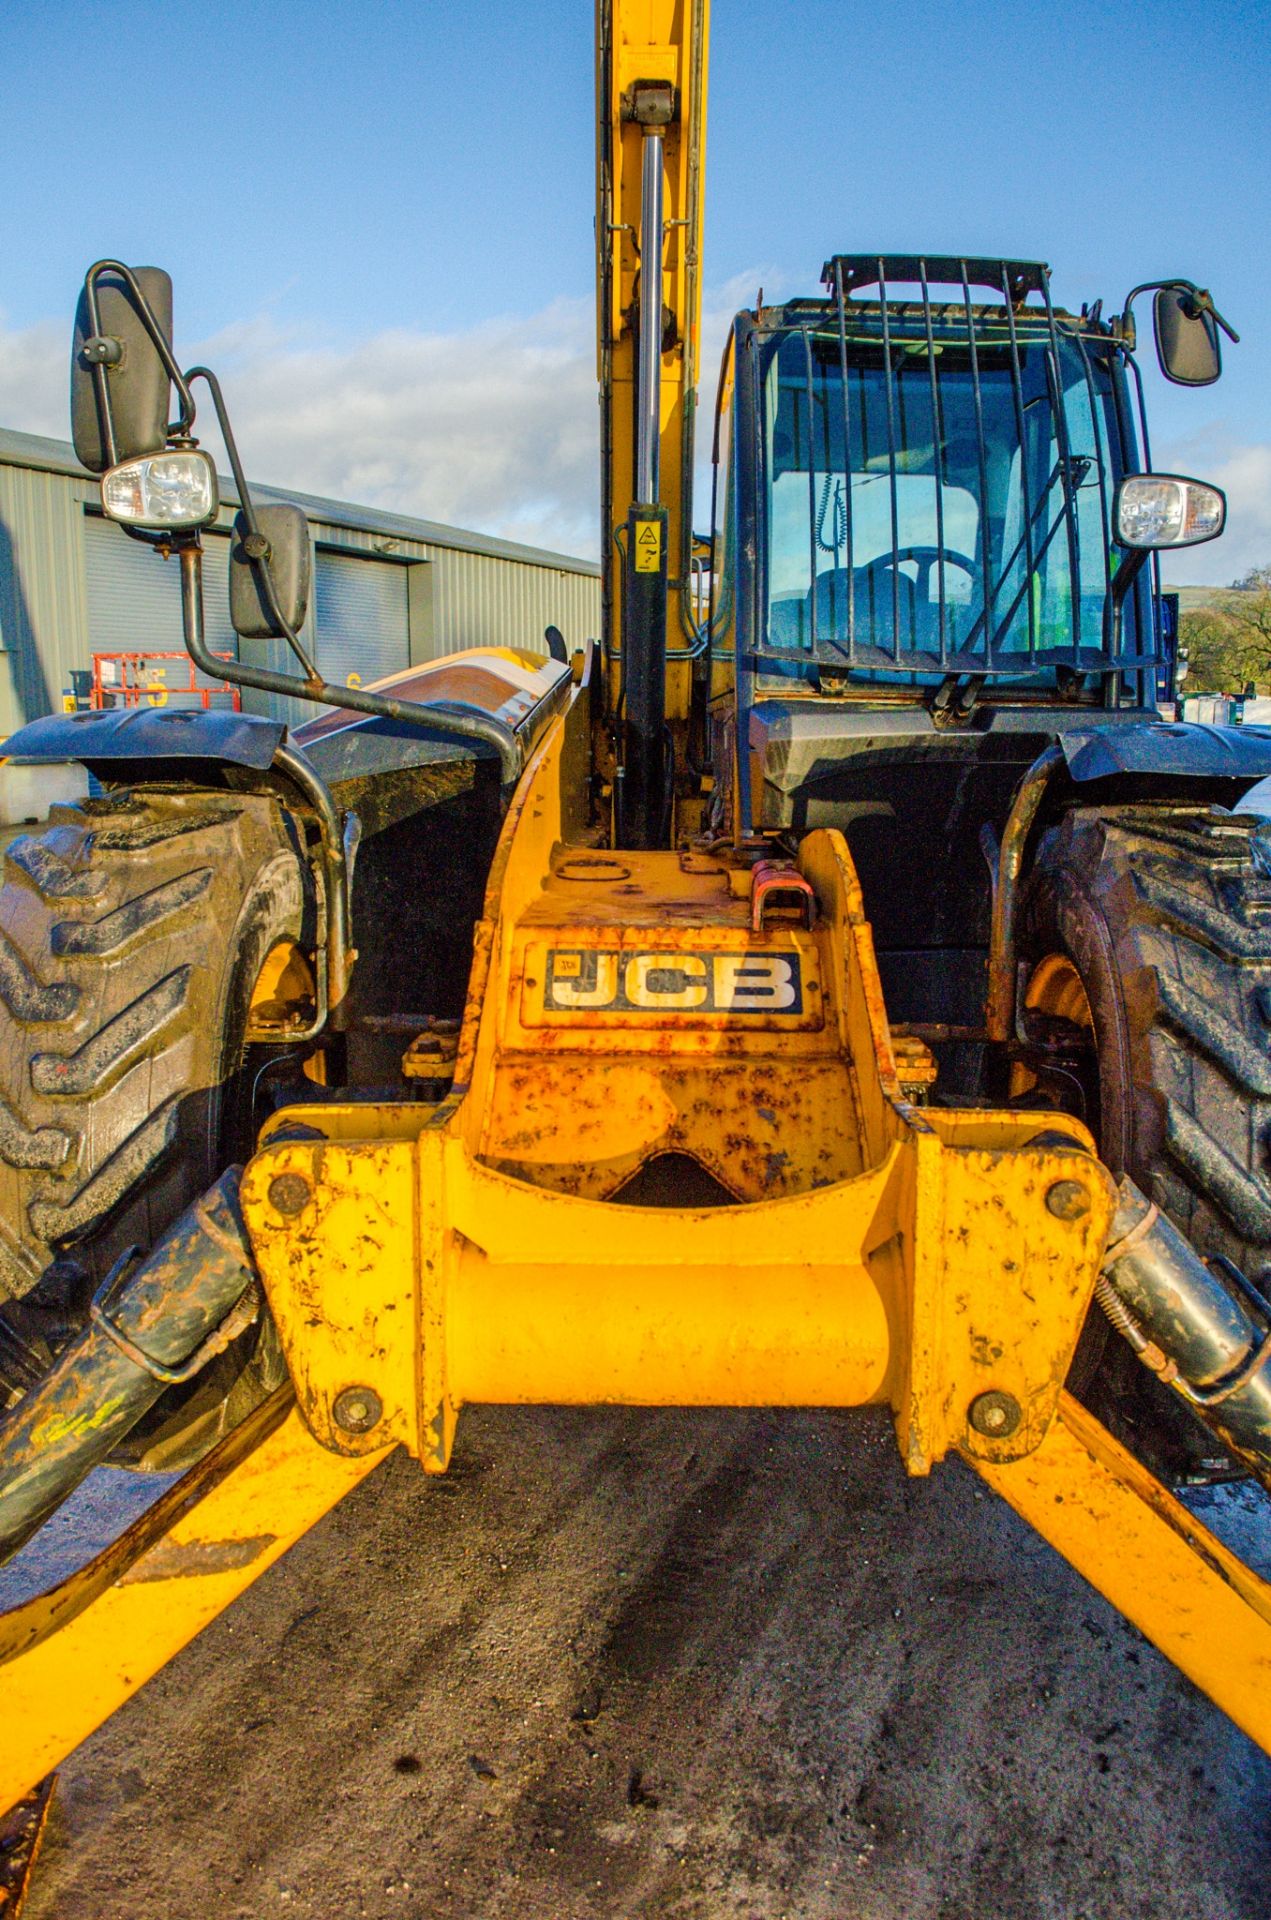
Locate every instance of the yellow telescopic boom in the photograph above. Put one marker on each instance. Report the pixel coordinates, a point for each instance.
(651, 126)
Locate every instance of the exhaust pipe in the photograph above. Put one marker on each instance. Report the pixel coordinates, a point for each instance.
(1207, 1334)
(155, 1322)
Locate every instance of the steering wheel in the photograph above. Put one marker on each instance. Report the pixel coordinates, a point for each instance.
(927, 560)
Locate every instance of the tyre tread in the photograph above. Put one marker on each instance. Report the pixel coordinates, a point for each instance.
(1189, 914)
(116, 926)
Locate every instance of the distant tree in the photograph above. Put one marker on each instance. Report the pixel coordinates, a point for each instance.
(1253, 615)
(1220, 656)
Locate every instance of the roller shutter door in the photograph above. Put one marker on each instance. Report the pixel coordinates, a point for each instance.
(134, 598)
(361, 609)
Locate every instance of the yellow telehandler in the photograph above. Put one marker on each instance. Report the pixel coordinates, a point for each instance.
(837, 986)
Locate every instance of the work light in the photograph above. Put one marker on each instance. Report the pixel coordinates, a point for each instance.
(1164, 510)
(162, 490)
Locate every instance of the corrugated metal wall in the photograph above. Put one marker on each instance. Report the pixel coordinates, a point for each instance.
(362, 612)
(134, 598)
(487, 593)
(482, 602)
(43, 600)
(482, 599)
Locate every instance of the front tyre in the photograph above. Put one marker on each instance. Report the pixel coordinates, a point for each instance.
(1146, 943)
(134, 931)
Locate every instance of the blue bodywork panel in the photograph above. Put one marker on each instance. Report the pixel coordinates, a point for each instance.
(149, 733)
(1184, 749)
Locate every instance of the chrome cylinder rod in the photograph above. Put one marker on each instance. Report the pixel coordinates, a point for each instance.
(649, 365)
(1205, 1335)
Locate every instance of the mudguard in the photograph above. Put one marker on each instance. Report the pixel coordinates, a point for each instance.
(147, 733)
(522, 689)
(1183, 748)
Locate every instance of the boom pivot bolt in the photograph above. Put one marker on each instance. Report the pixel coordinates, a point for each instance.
(1068, 1200)
(357, 1410)
(995, 1415)
(290, 1193)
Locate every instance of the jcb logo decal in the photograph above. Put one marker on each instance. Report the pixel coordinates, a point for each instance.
(582, 979)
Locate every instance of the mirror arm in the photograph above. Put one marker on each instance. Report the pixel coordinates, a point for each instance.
(1201, 295)
(463, 724)
(1204, 300)
(466, 724)
(256, 546)
(1130, 566)
(161, 343)
(474, 725)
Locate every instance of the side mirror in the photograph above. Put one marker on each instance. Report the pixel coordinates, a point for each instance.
(1186, 338)
(281, 545)
(136, 384)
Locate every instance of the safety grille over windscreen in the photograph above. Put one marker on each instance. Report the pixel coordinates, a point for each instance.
(938, 477)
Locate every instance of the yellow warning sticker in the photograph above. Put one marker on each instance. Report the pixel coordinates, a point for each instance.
(648, 546)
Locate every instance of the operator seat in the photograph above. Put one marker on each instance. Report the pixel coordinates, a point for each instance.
(871, 588)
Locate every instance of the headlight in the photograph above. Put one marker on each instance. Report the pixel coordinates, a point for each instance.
(162, 490)
(1163, 510)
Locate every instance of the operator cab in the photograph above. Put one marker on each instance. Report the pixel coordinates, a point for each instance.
(933, 487)
(933, 524)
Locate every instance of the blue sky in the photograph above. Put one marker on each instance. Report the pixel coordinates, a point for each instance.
(388, 210)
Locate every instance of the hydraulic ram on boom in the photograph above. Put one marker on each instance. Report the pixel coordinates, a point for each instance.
(651, 101)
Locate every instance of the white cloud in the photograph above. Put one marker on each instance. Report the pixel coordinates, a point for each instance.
(495, 427)
(1243, 470)
(34, 376)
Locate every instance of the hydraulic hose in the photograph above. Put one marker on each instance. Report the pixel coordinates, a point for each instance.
(155, 1322)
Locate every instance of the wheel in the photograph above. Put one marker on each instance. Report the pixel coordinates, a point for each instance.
(136, 932)
(1146, 1008)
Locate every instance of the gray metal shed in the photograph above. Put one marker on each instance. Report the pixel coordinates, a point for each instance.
(389, 591)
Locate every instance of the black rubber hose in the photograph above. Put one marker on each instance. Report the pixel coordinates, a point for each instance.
(171, 1311)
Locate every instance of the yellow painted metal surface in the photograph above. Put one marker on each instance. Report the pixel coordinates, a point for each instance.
(506, 1292)
(866, 1249)
(1151, 1558)
(70, 1657)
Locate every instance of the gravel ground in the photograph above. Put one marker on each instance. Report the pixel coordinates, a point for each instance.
(675, 1664)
